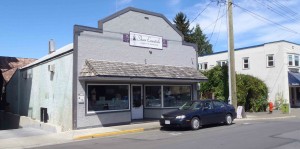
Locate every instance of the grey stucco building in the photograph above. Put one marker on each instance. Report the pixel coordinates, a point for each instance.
(135, 65)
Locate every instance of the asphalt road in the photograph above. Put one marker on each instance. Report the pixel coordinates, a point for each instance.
(275, 134)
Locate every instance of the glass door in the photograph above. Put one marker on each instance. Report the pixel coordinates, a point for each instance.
(137, 102)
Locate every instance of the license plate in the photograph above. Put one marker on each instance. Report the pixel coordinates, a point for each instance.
(167, 122)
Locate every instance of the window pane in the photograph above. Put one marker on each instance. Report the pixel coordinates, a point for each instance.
(205, 66)
(107, 97)
(270, 63)
(153, 96)
(218, 104)
(290, 60)
(270, 58)
(296, 60)
(175, 96)
(245, 65)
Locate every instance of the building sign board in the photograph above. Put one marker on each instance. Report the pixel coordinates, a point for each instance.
(144, 40)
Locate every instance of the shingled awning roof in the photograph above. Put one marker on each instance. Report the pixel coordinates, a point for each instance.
(95, 68)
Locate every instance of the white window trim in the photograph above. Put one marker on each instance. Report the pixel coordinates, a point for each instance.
(201, 66)
(289, 59)
(269, 60)
(221, 62)
(293, 55)
(106, 111)
(246, 63)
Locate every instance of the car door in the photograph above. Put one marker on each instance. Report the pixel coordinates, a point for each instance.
(220, 111)
(207, 113)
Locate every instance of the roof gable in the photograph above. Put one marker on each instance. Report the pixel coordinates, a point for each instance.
(121, 12)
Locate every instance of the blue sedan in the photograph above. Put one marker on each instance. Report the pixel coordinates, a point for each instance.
(196, 113)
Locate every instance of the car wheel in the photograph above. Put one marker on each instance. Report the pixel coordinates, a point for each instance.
(228, 119)
(195, 123)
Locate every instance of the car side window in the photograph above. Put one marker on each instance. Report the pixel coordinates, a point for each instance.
(208, 105)
(218, 104)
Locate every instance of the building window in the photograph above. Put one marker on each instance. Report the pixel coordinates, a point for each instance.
(222, 63)
(270, 60)
(203, 66)
(296, 60)
(290, 57)
(245, 63)
(293, 60)
(153, 96)
(175, 96)
(107, 98)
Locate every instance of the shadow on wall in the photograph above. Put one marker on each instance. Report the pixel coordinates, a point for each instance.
(17, 99)
(25, 93)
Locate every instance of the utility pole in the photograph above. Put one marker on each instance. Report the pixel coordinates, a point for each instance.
(231, 68)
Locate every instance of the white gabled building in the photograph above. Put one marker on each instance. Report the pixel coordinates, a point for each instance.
(276, 63)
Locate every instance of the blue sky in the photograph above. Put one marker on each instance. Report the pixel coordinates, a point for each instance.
(26, 26)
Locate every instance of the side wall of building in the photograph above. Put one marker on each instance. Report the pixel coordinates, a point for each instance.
(35, 87)
(275, 77)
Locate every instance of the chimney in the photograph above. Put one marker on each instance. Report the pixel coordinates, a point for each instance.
(51, 46)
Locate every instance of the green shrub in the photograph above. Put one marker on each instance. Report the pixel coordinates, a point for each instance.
(279, 100)
(252, 92)
(285, 108)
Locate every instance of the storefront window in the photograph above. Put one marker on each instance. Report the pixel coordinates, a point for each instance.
(108, 97)
(176, 96)
(153, 96)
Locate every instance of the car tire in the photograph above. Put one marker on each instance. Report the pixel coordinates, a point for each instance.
(195, 123)
(228, 119)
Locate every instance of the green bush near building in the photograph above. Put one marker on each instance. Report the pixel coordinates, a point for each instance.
(252, 92)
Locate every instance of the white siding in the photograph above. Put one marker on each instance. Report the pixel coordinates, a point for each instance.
(276, 78)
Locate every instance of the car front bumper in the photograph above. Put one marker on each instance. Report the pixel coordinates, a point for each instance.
(175, 122)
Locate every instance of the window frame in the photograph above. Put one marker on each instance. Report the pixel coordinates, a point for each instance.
(273, 60)
(292, 60)
(202, 66)
(161, 98)
(162, 95)
(222, 62)
(248, 63)
(106, 111)
(296, 64)
(191, 92)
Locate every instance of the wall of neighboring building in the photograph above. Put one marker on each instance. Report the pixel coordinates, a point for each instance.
(108, 45)
(35, 87)
(274, 77)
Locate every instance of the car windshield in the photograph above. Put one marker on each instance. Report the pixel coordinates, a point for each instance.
(191, 105)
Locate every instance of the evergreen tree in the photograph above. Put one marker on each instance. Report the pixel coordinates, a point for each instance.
(204, 47)
(183, 25)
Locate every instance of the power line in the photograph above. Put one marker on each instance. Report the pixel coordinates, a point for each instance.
(215, 24)
(283, 14)
(283, 27)
(214, 21)
(201, 11)
(219, 30)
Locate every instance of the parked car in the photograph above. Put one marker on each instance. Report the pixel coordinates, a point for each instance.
(196, 113)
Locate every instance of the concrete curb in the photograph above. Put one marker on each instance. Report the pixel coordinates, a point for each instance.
(106, 134)
(266, 118)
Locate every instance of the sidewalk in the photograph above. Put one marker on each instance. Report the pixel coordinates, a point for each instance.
(29, 137)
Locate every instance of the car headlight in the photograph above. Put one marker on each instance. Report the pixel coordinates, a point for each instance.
(180, 117)
(162, 116)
